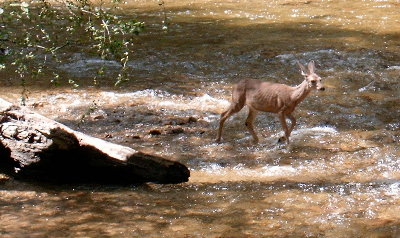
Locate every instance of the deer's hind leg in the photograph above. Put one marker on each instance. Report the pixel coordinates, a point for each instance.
(249, 124)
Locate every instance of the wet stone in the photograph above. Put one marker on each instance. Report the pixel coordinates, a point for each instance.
(155, 132)
(133, 136)
(179, 121)
(175, 130)
(98, 117)
(167, 122)
(192, 119)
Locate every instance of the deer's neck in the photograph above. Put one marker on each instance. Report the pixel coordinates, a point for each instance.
(300, 92)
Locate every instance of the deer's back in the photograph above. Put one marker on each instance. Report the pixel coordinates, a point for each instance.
(266, 96)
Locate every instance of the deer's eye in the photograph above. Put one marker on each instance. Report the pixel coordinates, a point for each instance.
(314, 81)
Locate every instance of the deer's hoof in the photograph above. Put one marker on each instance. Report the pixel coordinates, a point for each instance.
(281, 140)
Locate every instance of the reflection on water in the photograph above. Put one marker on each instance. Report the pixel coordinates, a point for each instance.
(339, 177)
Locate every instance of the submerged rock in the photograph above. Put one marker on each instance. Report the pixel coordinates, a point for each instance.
(173, 121)
(175, 130)
(192, 119)
(155, 132)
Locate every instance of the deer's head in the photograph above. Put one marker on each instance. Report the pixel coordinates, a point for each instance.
(314, 81)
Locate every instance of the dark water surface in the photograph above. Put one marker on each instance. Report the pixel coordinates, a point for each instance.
(339, 177)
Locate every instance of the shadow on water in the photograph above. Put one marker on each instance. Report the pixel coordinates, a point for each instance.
(205, 49)
(228, 209)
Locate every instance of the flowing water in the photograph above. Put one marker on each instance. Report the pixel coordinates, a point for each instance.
(339, 177)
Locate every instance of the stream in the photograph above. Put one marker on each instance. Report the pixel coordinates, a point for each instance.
(339, 176)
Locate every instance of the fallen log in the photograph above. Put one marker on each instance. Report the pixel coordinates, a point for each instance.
(35, 147)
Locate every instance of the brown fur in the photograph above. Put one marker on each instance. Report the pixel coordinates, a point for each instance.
(271, 97)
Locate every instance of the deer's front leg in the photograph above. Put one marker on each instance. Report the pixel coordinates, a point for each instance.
(284, 127)
(293, 123)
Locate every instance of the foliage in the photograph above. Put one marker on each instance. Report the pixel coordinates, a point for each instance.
(36, 35)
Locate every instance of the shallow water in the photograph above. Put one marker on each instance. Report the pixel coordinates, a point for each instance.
(339, 177)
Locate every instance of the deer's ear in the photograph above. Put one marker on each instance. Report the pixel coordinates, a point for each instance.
(302, 69)
(311, 66)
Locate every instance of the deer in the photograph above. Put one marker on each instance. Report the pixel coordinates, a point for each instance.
(270, 97)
